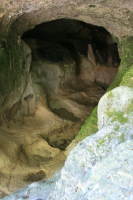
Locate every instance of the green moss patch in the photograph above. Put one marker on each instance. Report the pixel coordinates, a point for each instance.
(122, 117)
(10, 63)
(123, 77)
(129, 108)
(126, 63)
(90, 127)
(127, 79)
(110, 94)
(117, 116)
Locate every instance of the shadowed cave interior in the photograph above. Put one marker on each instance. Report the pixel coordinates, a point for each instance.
(67, 67)
(86, 59)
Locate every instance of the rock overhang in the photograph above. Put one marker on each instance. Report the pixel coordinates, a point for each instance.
(16, 18)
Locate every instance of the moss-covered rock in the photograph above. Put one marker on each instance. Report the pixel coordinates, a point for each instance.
(124, 77)
(126, 62)
(90, 127)
(127, 79)
(10, 63)
(116, 108)
(86, 158)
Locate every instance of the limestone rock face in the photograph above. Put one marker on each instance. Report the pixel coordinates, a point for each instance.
(44, 102)
(52, 77)
(18, 17)
(116, 105)
(103, 160)
(100, 166)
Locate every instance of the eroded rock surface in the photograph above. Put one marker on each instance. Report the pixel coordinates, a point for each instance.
(52, 87)
(18, 17)
(100, 166)
(56, 86)
(63, 70)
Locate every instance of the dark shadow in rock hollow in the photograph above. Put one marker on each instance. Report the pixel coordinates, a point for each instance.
(74, 36)
(85, 55)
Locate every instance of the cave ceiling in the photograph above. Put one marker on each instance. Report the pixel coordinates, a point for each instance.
(18, 17)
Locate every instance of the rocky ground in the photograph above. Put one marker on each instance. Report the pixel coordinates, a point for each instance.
(100, 166)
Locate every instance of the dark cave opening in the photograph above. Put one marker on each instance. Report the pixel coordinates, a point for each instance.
(74, 36)
(86, 59)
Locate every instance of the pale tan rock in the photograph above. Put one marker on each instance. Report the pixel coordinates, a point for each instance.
(39, 152)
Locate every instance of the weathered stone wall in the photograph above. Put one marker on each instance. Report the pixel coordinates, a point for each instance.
(16, 17)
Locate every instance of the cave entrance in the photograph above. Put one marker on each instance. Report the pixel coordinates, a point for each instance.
(74, 63)
(56, 84)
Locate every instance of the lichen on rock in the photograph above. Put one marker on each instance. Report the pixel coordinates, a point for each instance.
(95, 164)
